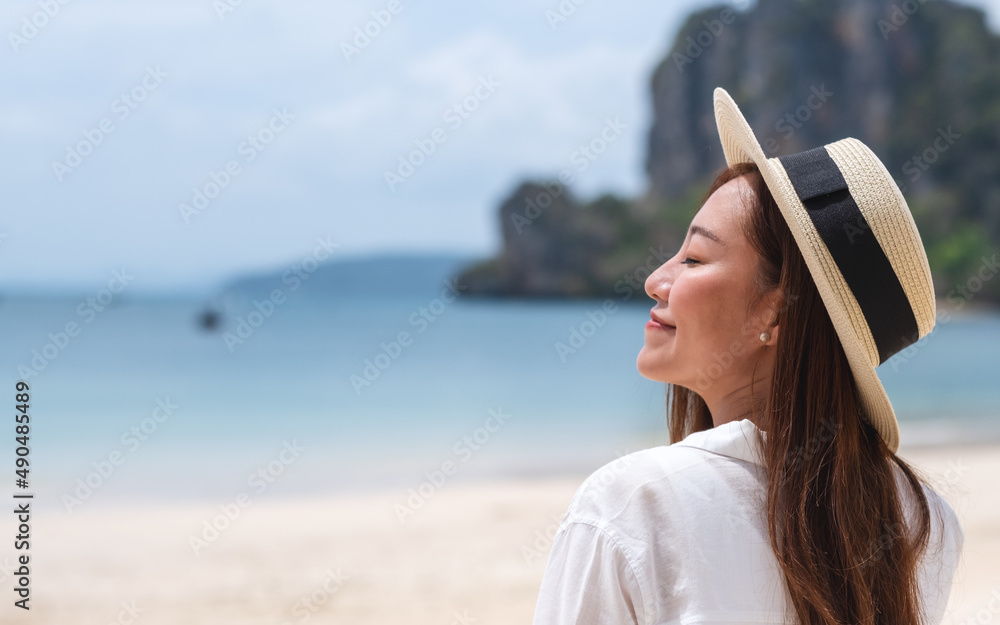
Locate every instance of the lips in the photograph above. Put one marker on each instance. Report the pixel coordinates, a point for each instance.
(660, 321)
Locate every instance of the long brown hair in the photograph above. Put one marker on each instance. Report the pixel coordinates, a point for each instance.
(835, 517)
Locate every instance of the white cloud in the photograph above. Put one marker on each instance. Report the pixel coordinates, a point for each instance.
(98, 15)
(355, 111)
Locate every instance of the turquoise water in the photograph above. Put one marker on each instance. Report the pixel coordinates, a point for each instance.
(290, 380)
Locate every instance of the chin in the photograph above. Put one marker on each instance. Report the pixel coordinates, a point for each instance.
(646, 363)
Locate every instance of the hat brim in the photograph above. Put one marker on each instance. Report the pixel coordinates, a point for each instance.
(741, 146)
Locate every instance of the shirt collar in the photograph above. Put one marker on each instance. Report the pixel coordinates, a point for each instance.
(735, 439)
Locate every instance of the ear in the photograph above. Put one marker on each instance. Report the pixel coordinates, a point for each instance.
(773, 330)
(774, 306)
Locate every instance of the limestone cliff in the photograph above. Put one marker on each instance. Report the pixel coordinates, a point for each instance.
(917, 80)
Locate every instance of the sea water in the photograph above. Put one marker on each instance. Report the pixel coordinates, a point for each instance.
(379, 390)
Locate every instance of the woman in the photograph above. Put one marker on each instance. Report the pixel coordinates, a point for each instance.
(781, 499)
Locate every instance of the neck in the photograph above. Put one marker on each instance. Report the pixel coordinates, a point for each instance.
(736, 405)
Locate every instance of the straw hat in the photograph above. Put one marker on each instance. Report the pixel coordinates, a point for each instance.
(859, 241)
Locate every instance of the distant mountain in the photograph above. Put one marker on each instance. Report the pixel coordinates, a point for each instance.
(389, 275)
(918, 82)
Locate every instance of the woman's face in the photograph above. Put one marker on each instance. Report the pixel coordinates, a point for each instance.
(703, 293)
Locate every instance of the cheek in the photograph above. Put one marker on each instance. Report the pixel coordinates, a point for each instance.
(706, 307)
(697, 300)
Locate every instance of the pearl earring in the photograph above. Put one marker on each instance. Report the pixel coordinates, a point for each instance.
(764, 337)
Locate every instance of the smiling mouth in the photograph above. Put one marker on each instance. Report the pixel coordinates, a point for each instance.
(653, 324)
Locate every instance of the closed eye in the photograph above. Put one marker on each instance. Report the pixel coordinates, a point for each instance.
(688, 261)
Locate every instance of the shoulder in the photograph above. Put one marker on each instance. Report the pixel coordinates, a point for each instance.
(626, 482)
(945, 525)
(598, 560)
(635, 519)
(940, 562)
(947, 533)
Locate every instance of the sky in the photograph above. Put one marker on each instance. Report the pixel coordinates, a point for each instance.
(188, 141)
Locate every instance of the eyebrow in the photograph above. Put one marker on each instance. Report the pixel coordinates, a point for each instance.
(705, 233)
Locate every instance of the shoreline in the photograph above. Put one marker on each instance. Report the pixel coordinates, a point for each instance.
(931, 438)
(477, 548)
(970, 308)
(919, 434)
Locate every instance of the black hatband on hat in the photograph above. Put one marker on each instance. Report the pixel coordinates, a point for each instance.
(821, 187)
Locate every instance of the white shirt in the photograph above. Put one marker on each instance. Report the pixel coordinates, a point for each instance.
(676, 534)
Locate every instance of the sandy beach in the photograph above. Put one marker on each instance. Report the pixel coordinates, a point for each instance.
(473, 553)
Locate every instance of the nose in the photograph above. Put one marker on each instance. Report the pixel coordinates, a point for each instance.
(658, 283)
